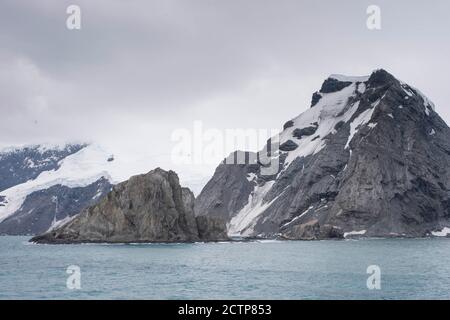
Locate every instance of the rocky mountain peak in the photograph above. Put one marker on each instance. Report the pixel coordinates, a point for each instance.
(370, 158)
(380, 77)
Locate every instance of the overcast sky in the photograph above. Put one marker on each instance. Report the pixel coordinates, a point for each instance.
(139, 69)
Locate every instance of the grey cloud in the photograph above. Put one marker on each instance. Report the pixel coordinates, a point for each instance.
(147, 63)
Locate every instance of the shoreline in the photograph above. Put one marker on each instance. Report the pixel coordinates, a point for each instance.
(240, 240)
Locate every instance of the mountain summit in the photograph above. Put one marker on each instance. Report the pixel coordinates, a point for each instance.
(371, 157)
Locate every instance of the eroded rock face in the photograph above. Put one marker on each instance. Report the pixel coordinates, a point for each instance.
(147, 208)
(377, 165)
(212, 228)
(312, 230)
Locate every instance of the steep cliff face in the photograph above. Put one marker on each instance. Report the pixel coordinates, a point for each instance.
(146, 208)
(371, 157)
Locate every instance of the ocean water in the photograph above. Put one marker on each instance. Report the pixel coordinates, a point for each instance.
(410, 269)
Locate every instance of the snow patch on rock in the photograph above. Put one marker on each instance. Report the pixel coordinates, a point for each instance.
(443, 233)
(359, 121)
(328, 112)
(354, 233)
(58, 223)
(298, 217)
(341, 77)
(241, 223)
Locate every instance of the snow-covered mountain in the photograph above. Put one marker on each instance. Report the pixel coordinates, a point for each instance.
(43, 186)
(371, 157)
(20, 164)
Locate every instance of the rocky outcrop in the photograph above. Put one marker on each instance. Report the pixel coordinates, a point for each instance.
(288, 124)
(315, 98)
(333, 85)
(303, 132)
(377, 165)
(3, 201)
(312, 230)
(146, 208)
(288, 146)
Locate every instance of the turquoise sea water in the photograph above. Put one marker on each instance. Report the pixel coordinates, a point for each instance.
(410, 269)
